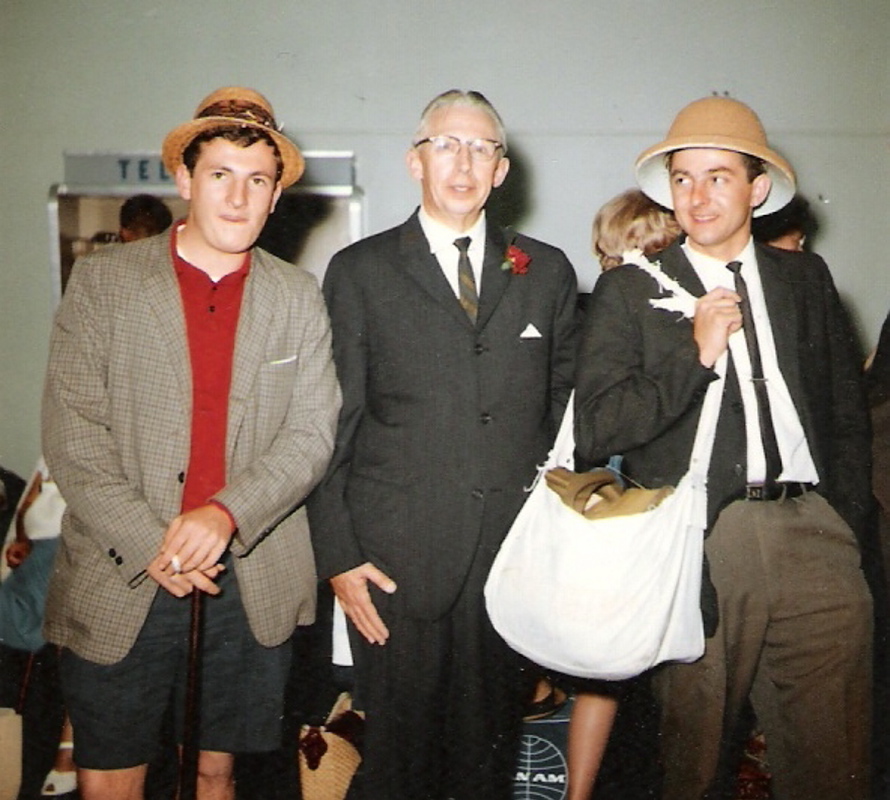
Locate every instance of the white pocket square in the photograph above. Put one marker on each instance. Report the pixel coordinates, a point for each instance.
(283, 360)
(530, 332)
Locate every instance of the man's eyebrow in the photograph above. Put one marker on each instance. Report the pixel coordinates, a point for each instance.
(226, 168)
(709, 171)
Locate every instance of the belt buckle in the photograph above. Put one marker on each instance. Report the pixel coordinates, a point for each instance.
(756, 491)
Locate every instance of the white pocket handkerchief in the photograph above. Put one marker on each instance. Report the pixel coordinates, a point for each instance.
(287, 360)
(530, 332)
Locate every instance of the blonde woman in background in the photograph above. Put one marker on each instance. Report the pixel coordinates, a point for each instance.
(627, 222)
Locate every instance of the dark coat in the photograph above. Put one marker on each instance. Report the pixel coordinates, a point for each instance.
(640, 385)
(443, 422)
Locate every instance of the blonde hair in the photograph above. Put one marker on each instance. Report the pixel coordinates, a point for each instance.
(631, 220)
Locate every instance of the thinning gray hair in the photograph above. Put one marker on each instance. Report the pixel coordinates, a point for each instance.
(459, 97)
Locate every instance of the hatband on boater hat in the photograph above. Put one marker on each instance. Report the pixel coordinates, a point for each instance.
(233, 107)
(724, 124)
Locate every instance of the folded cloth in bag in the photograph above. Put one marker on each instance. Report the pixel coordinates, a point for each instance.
(610, 596)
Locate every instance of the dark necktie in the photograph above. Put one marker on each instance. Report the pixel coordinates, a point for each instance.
(469, 299)
(767, 431)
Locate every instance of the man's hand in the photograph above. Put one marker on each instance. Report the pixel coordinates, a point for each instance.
(196, 540)
(351, 588)
(182, 583)
(17, 552)
(717, 316)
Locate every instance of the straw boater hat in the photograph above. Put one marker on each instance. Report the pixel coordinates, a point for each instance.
(236, 107)
(724, 124)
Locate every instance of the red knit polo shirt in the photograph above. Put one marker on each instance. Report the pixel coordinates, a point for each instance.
(211, 321)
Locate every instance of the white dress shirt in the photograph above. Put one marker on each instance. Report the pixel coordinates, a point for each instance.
(797, 462)
(441, 240)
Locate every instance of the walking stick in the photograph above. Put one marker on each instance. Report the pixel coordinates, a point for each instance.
(188, 765)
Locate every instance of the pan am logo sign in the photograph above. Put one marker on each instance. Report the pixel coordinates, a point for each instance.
(540, 771)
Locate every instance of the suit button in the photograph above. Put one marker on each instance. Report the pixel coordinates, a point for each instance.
(118, 560)
(112, 553)
(479, 349)
(485, 418)
(181, 477)
(477, 494)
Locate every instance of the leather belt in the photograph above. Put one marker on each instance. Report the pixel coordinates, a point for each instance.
(776, 491)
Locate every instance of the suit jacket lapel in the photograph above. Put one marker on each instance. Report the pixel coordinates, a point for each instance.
(675, 264)
(163, 296)
(423, 267)
(494, 279)
(250, 343)
(782, 311)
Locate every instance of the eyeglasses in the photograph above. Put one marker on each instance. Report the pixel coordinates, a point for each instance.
(479, 149)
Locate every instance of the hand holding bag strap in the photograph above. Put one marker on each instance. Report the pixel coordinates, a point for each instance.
(683, 301)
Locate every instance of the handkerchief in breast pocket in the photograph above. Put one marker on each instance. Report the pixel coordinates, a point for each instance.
(530, 332)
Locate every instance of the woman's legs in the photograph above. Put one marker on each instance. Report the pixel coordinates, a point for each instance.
(589, 729)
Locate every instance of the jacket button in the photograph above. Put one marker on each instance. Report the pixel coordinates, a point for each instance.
(479, 349)
(485, 418)
(118, 560)
(112, 553)
(181, 477)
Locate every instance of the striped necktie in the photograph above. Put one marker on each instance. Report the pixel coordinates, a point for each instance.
(469, 299)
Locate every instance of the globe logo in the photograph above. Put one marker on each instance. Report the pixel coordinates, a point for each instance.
(540, 771)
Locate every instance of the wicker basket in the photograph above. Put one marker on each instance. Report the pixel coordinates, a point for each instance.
(329, 754)
(10, 753)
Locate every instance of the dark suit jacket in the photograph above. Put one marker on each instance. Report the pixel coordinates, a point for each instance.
(443, 422)
(879, 402)
(640, 385)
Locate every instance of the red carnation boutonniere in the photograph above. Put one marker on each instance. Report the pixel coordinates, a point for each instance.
(516, 260)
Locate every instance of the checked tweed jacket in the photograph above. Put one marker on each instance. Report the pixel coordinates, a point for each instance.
(116, 435)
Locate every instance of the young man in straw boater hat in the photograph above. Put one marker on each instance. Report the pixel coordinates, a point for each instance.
(190, 407)
(786, 606)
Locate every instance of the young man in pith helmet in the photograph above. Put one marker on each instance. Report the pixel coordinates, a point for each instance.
(785, 606)
(190, 407)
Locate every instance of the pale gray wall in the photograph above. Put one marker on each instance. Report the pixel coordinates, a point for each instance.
(583, 85)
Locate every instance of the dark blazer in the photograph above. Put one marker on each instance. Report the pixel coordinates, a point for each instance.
(640, 385)
(878, 379)
(443, 422)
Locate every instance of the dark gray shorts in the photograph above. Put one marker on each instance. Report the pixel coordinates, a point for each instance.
(117, 710)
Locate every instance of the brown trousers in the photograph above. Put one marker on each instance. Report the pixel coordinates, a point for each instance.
(795, 635)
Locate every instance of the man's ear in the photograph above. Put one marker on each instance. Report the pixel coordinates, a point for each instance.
(760, 187)
(183, 179)
(414, 164)
(275, 197)
(500, 172)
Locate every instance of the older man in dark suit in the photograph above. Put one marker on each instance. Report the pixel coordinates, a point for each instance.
(788, 487)
(454, 342)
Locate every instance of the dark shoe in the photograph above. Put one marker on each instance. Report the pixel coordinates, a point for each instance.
(554, 700)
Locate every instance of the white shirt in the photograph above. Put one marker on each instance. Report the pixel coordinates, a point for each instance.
(797, 461)
(441, 240)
